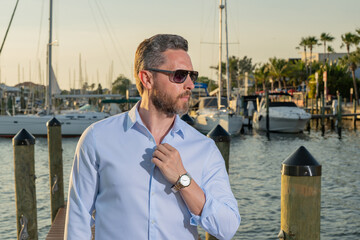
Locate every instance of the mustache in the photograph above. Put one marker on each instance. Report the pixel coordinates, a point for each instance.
(185, 94)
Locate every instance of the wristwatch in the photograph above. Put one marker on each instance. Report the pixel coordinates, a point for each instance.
(183, 182)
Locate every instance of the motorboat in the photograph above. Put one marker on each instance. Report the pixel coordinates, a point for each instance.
(284, 115)
(209, 116)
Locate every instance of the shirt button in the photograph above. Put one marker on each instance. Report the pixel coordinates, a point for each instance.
(152, 221)
(152, 194)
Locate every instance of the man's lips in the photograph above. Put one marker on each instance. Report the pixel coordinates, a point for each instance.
(186, 95)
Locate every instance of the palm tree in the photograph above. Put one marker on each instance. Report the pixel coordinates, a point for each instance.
(326, 37)
(353, 60)
(349, 39)
(277, 69)
(358, 31)
(297, 72)
(330, 49)
(262, 75)
(311, 41)
(303, 43)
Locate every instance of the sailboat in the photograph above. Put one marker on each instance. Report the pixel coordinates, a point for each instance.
(216, 110)
(73, 123)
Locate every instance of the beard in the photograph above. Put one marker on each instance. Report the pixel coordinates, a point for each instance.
(167, 104)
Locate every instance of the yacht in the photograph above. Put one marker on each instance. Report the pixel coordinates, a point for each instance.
(284, 115)
(209, 116)
(73, 122)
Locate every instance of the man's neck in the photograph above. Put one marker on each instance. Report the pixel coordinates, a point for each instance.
(158, 123)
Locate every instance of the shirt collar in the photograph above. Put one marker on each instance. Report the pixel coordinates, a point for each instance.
(133, 117)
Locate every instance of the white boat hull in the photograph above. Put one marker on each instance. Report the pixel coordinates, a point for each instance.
(232, 123)
(282, 119)
(71, 124)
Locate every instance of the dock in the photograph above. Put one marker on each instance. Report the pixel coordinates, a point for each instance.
(56, 231)
(318, 116)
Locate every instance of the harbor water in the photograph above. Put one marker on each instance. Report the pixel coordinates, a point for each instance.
(255, 177)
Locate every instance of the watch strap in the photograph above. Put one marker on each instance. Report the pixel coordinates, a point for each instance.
(178, 186)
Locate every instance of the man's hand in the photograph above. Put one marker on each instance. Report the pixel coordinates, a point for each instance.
(168, 160)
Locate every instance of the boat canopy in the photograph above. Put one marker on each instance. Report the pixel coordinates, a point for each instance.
(211, 102)
(130, 100)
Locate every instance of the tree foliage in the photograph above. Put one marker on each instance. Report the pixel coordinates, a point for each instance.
(120, 85)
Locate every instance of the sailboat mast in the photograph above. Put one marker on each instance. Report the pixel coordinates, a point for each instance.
(49, 59)
(227, 58)
(221, 6)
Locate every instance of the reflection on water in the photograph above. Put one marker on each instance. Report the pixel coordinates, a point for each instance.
(256, 181)
(254, 174)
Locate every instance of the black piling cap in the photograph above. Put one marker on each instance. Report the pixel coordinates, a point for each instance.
(53, 123)
(23, 137)
(186, 118)
(301, 163)
(219, 134)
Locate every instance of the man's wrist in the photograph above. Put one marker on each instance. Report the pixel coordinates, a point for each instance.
(183, 181)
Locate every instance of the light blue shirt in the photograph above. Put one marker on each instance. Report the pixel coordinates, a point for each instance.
(113, 174)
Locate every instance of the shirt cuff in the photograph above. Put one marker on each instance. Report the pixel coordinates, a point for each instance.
(210, 208)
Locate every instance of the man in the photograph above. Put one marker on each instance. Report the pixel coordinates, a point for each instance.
(147, 173)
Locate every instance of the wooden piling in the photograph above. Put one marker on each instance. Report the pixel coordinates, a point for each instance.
(339, 125)
(55, 166)
(25, 191)
(267, 115)
(300, 197)
(354, 111)
(222, 140)
(317, 111)
(322, 114)
(3, 106)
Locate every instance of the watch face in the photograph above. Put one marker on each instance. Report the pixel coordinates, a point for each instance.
(185, 180)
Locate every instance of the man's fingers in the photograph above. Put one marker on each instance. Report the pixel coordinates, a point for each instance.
(164, 149)
(157, 162)
(159, 154)
(168, 147)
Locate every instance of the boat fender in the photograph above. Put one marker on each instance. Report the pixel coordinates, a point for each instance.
(260, 117)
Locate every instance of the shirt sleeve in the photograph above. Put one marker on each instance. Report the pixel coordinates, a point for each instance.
(220, 215)
(83, 188)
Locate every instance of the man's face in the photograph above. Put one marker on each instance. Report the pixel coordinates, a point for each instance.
(168, 97)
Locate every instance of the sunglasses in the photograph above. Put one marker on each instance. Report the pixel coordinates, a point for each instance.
(178, 76)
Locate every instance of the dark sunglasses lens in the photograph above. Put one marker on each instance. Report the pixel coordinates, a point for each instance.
(180, 76)
(194, 76)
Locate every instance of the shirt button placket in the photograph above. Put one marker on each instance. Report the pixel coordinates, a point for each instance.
(152, 210)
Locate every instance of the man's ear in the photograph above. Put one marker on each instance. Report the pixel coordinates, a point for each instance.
(146, 79)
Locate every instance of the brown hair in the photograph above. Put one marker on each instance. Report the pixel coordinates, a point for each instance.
(149, 53)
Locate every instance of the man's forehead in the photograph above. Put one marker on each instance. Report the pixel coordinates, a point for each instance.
(177, 58)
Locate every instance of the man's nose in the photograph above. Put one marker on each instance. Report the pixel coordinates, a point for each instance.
(188, 84)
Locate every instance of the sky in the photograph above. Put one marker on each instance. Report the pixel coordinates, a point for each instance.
(102, 35)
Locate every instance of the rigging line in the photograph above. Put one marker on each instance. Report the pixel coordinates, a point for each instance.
(110, 35)
(109, 22)
(7, 31)
(215, 12)
(127, 61)
(40, 30)
(236, 22)
(99, 30)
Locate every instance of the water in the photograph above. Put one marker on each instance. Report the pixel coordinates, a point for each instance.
(254, 174)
